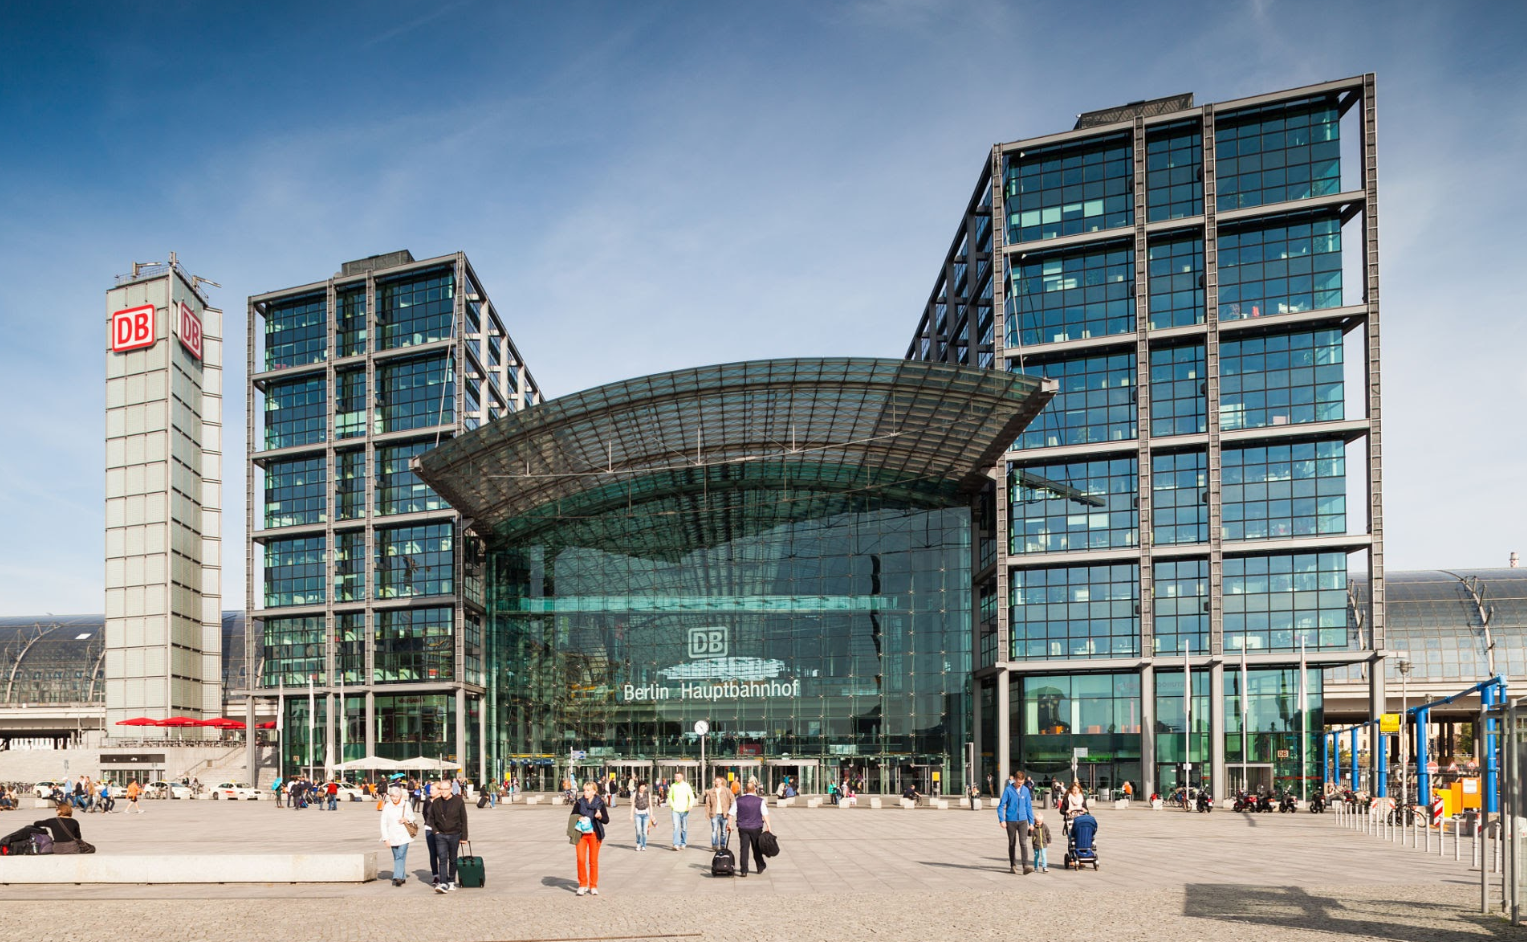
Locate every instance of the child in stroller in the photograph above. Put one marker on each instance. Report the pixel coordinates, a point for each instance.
(1081, 845)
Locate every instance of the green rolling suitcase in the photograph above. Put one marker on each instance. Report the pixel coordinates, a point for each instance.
(469, 869)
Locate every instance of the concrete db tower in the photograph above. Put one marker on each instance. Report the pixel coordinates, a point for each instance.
(164, 455)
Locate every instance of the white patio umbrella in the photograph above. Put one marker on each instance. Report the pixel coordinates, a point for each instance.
(368, 762)
(426, 764)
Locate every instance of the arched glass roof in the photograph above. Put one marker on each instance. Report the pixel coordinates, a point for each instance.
(686, 453)
(51, 660)
(1435, 617)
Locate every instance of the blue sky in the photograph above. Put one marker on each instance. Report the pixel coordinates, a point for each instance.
(645, 186)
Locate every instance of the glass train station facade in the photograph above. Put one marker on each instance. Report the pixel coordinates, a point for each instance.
(1137, 429)
(780, 548)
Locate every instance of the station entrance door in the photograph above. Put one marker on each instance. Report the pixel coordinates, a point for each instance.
(804, 774)
(1258, 776)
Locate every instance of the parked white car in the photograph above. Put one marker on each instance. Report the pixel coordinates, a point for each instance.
(234, 791)
(45, 789)
(163, 789)
(350, 793)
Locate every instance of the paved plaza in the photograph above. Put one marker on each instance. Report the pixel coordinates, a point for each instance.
(842, 874)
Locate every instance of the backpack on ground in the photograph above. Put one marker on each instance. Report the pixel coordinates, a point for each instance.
(724, 863)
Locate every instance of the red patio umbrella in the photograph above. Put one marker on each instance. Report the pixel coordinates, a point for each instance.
(223, 722)
(138, 721)
(178, 721)
(269, 724)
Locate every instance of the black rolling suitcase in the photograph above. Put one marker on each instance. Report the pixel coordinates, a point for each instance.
(724, 863)
(482, 800)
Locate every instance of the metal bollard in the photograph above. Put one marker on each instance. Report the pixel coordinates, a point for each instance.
(1428, 827)
(1474, 853)
(1457, 823)
(1442, 837)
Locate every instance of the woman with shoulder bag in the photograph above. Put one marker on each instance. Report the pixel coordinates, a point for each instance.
(65, 832)
(399, 828)
(641, 814)
(591, 814)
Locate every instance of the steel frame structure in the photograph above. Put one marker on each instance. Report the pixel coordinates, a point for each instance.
(931, 343)
(505, 389)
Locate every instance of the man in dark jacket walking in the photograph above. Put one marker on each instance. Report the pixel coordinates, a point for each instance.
(448, 818)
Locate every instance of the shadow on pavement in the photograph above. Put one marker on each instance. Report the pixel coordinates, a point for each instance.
(561, 883)
(997, 864)
(1367, 916)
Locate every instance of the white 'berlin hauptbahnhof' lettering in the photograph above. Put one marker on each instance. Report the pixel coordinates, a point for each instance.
(726, 690)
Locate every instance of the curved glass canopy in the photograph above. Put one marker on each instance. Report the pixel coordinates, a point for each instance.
(688, 454)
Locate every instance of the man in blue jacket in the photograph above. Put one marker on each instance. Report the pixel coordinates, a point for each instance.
(1015, 814)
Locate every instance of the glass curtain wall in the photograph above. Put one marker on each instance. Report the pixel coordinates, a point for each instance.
(841, 637)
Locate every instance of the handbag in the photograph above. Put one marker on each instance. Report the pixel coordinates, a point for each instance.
(410, 827)
(768, 844)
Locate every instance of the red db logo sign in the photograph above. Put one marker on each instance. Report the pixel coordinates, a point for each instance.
(132, 328)
(188, 329)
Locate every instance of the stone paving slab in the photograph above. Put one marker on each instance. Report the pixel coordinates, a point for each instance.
(888, 873)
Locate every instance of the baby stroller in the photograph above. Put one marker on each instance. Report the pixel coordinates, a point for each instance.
(1081, 848)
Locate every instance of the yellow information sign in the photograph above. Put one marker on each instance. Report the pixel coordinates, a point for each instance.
(1389, 723)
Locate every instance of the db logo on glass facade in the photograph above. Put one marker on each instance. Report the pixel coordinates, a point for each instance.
(132, 328)
(707, 642)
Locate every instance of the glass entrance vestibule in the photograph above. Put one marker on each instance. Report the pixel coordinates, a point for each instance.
(1092, 728)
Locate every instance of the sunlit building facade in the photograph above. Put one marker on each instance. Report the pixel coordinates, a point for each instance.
(366, 609)
(1202, 282)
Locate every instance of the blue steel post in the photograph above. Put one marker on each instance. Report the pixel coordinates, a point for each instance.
(1381, 747)
(1423, 778)
(1490, 766)
(1356, 784)
(1325, 758)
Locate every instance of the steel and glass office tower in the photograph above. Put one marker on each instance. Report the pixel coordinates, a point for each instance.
(364, 593)
(1203, 283)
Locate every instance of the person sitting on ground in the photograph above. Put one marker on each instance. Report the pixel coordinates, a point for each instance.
(7, 799)
(64, 830)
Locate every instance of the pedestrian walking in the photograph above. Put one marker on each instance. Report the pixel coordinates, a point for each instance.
(681, 798)
(641, 814)
(450, 826)
(974, 795)
(593, 815)
(398, 827)
(430, 793)
(134, 792)
(1075, 802)
(332, 792)
(1015, 814)
(279, 791)
(1039, 836)
(718, 804)
(750, 815)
